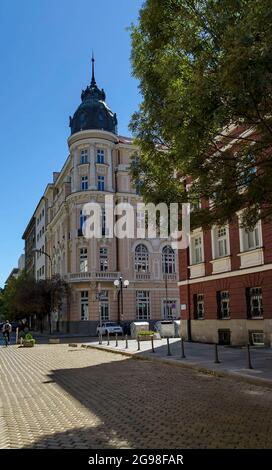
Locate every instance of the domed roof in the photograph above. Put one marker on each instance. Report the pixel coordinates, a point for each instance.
(93, 112)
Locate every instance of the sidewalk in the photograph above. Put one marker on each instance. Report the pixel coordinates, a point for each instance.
(233, 360)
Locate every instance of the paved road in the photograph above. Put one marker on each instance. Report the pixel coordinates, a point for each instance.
(54, 396)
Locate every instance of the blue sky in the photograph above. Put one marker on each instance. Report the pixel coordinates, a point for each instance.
(46, 48)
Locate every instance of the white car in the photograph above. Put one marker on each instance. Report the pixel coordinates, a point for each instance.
(110, 328)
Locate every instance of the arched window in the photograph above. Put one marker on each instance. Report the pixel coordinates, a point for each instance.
(141, 259)
(168, 260)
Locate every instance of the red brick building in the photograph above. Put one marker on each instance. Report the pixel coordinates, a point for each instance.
(226, 285)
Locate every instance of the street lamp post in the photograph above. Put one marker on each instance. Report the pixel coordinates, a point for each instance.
(120, 284)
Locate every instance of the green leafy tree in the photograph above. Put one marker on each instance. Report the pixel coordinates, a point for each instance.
(8, 308)
(26, 297)
(40, 297)
(204, 65)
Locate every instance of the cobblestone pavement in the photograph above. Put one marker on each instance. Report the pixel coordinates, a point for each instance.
(53, 396)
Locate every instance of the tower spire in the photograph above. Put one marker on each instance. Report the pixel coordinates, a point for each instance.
(93, 82)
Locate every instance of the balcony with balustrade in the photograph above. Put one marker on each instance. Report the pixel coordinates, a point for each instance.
(92, 276)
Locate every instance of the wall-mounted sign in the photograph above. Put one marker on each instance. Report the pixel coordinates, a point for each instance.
(183, 306)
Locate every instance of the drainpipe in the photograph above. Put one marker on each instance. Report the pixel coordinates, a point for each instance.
(189, 326)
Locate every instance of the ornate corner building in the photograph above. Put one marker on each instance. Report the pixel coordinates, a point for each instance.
(98, 165)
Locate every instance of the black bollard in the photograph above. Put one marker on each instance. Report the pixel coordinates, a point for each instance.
(100, 338)
(168, 348)
(249, 363)
(216, 359)
(139, 347)
(108, 339)
(182, 348)
(116, 340)
(152, 343)
(126, 342)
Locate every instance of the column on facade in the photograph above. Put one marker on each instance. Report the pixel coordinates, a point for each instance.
(76, 170)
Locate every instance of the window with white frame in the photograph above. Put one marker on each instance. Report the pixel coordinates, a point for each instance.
(84, 305)
(103, 259)
(254, 302)
(100, 156)
(84, 183)
(220, 242)
(84, 156)
(101, 183)
(141, 259)
(223, 304)
(199, 306)
(142, 305)
(196, 249)
(252, 238)
(83, 260)
(168, 260)
(104, 305)
(169, 309)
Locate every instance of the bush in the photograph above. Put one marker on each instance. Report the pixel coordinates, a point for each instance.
(28, 337)
(28, 340)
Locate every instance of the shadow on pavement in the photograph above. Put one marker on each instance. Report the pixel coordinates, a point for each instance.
(138, 404)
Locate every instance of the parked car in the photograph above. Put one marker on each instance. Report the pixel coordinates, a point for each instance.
(110, 328)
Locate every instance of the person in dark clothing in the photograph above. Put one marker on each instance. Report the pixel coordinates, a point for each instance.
(6, 330)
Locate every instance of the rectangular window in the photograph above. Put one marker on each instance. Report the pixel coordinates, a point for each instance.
(84, 307)
(199, 306)
(84, 183)
(254, 302)
(82, 219)
(223, 304)
(100, 156)
(84, 156)
(222, 241)
(142, 305)
(83, 260)
(101, 183)
(103, 259)
(104, 230)
(252, 238)
(169, 309)
(197, 250)
(104, 305)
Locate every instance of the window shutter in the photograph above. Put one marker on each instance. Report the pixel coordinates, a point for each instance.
(218, 300)
(195, 305)
(248, 302)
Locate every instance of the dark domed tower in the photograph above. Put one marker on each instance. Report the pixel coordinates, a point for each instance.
(93, 113)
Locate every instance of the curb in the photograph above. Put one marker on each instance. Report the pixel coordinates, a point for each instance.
(189, 365)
